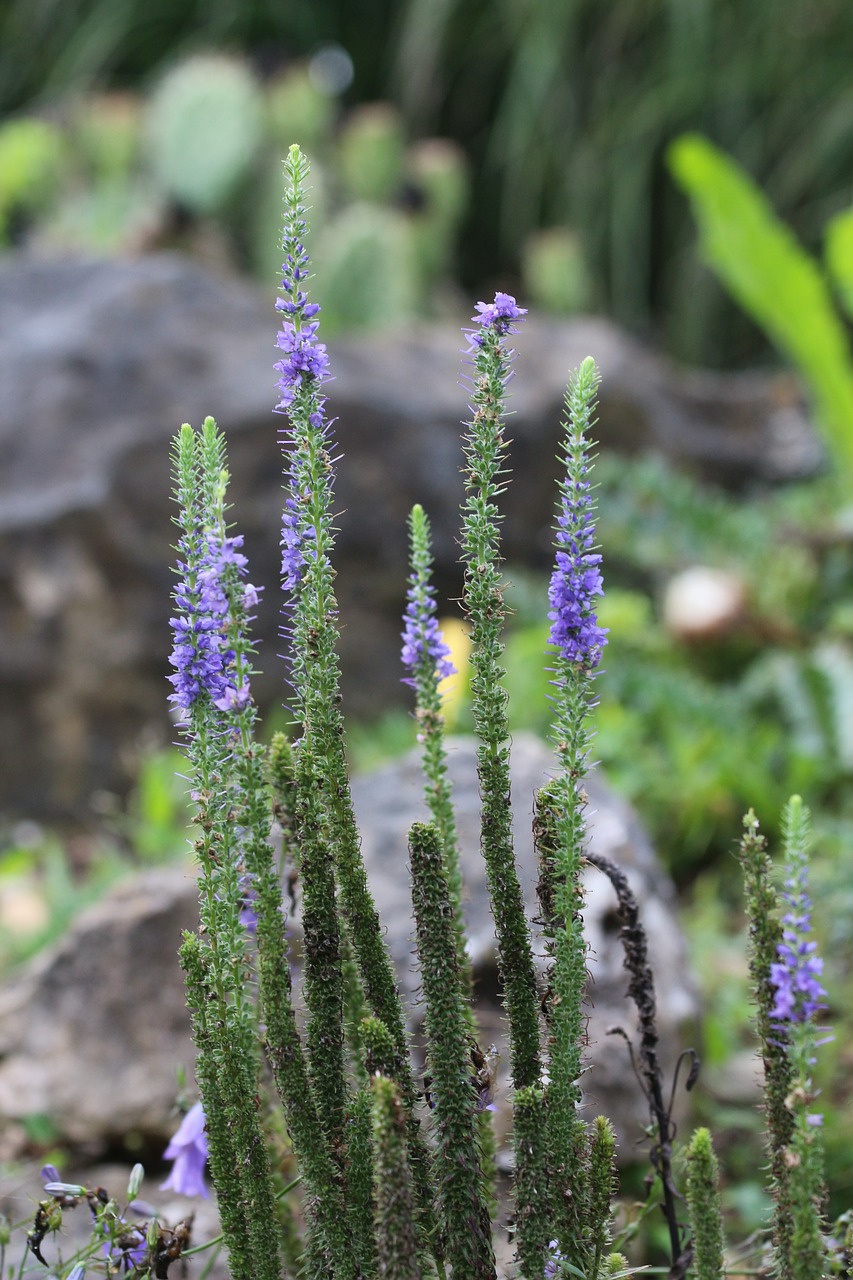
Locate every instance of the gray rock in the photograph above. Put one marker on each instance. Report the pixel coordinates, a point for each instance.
(100, 362)
(91, 1032)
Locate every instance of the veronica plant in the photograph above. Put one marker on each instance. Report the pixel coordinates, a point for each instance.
(394, 1167)
(395, 1172)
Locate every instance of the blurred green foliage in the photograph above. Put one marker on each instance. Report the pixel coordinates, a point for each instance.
(44, 884)
(696, 732)
(193, 165)
(777, 283)
(565, 109)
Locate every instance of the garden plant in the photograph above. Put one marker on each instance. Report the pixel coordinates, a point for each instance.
(390, 1171)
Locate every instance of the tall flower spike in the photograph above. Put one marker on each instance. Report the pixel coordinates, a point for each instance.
(795, 976)
(326, 819)
(485, 459)
(576, 580)
(302, 369)
(578, 641)
(425, 655)
(427, 659)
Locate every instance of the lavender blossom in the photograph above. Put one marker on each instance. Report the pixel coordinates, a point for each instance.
(795, 977)
(576, 580)
(423, 646)
(306, 360)
(553, 1261)
(303, 370)
(497, 315)
(201, 656)
(129, 1249)
(188, 1149)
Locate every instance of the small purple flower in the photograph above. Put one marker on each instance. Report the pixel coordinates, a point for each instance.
(295, 541)
(188, 1149)
(497, 315)
(305, 359)
(576, 580)
(201, 657)
(423, 646)
(129, 1249)
(795, 977)
(552, 1261)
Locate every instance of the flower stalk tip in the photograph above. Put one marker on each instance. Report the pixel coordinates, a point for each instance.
(576, 581)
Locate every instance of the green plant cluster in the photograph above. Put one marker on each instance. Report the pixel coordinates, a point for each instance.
(190, 165)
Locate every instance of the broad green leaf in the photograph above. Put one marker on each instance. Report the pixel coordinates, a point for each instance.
(772, 277)
(838, 253)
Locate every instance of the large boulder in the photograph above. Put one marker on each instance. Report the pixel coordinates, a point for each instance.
(92, 1031)
(100, 362)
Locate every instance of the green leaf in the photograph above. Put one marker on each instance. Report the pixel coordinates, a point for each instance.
(772, 277)
(838, 254)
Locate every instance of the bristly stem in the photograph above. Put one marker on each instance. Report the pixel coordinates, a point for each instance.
(394, 1215)
(485, 458)
(533, 1220)
(765, 935)
(703, 1203)
(307, 542)
(212, 660)
(641, 989)
(799, 997)
(577, 642)
(427, 660)
(464, 1215)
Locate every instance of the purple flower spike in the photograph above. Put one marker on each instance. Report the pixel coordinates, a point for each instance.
(424, 651)
(795, 977)
(576, 582)
(305, 360)
(188, 1149)
(497, 315)
(201, 657)
(576, 579)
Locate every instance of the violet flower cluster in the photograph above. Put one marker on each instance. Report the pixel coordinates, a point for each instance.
(497, 315)
(188, 1149)
(304, 358)
(422, 640)
(795, 977)
(304, 367)
(201, 655)
(576, 580)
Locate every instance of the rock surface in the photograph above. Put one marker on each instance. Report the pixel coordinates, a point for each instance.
(92, 1031)
(100, 362)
